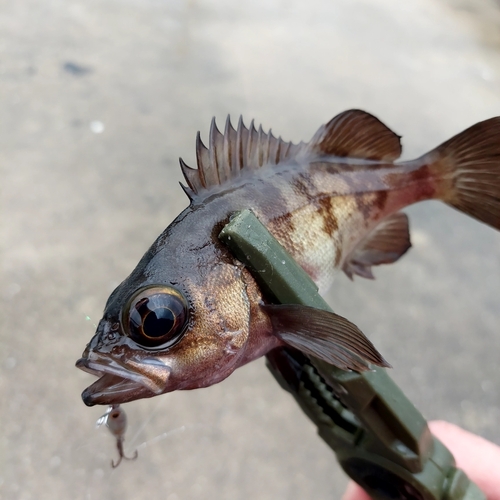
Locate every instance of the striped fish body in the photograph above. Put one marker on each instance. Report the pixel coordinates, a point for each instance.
(190, 314)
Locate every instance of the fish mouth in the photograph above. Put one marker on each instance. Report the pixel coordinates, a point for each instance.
(119, 384)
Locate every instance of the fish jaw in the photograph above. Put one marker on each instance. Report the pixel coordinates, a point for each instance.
(126, 374)
(126, 371)
(119, 383)
(227, 331)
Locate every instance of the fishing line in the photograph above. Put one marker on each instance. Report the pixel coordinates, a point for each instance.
(163, 436)
(134, 439)
(177, 430)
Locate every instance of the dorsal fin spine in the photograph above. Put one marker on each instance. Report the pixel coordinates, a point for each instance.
(284, 150)
(271, 141)
(215, 175)
(248, 145)
(260, 147)
(278, 150)
(229, 141)
(189, 192)
(191, 175)
(242, 143)
(251, 148)
(202, 159)
(267, 149)
(234, 150)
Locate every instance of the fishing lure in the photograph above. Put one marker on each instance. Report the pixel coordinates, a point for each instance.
(115, 419)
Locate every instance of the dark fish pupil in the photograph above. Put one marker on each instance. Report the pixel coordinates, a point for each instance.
(158, 322)
(156, 316)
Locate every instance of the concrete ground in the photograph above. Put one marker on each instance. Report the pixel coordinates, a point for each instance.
(98, 100)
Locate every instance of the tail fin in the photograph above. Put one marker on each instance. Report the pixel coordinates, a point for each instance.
(468, 166)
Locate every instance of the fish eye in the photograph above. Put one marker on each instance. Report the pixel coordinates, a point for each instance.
(155, 316)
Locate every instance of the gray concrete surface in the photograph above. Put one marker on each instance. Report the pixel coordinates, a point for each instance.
(98, 100)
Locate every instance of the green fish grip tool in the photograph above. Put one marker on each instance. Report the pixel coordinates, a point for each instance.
(380, 439)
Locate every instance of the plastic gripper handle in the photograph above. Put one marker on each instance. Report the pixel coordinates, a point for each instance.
(380, 439)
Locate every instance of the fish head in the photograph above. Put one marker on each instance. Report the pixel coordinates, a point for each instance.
(170, 327)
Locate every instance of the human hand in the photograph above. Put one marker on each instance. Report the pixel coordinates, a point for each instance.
(478, 458)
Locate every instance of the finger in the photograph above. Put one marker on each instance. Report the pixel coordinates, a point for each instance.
(355, 492)
(478, 458)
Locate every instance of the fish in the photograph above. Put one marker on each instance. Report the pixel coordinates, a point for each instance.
(115, 419)
(190, 313)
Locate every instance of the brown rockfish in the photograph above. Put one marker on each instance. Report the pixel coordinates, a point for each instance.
(190, 313)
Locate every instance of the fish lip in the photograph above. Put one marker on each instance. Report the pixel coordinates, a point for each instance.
(82, 364)
(110, 389)
(117, 383)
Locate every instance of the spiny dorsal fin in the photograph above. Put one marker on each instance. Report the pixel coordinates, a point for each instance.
(356, 134)
(234, 150)
(353, 134)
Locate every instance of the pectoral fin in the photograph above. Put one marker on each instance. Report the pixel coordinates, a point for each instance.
(384, 245)
(324, 335)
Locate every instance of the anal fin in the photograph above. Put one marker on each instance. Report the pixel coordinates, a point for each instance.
(383, 245)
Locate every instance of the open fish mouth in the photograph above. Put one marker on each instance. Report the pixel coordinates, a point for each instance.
(118, 384)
